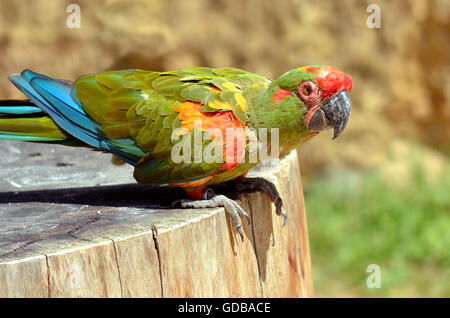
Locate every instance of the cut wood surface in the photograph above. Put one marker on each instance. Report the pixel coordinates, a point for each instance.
(73, 225)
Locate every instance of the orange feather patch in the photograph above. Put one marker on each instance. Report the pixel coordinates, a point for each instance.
(232, 131)
(194, 193)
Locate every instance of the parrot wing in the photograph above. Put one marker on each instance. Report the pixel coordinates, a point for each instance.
(141, 109)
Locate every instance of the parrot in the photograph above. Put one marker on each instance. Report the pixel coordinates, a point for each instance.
(145, 119)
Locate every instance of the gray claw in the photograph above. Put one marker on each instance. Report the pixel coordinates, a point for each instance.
(283, 213)
(239, 230)
(249, 220)
(261, 184)
(280, 211)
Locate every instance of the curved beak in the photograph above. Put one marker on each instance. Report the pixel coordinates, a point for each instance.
(333, 113)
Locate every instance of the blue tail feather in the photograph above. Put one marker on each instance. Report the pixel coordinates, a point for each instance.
(18, 108)
(24, 84)
(56, 98)
(58, 95)
(10, 136)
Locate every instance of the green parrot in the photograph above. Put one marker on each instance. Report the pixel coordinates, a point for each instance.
(191, 128)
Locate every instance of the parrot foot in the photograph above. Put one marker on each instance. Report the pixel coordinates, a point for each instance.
(212, 200)
(260, 184)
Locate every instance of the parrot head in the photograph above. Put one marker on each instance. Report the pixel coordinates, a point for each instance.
(324, 91)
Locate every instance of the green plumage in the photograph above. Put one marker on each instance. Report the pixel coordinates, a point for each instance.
(137, 111)
(142, 106)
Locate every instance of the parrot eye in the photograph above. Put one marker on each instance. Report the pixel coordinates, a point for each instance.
(307, 90)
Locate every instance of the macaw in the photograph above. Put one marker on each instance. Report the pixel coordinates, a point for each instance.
(140, 116)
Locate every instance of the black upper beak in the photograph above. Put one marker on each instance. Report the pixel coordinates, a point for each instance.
(333, 113)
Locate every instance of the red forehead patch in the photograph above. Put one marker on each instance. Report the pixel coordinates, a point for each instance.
(331, 80)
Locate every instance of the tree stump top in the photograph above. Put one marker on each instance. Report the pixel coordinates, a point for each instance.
(74, 225)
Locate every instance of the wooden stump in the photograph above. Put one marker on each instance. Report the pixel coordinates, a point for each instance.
(72, 225)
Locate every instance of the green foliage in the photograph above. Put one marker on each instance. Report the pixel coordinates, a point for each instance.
(361, 219)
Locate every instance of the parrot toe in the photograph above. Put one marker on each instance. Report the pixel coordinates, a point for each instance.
(236, 212)
(231, 207)
(260, 184)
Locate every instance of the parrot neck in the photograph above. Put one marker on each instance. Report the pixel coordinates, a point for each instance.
(276, 108)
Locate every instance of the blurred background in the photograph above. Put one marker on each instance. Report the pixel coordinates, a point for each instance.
(380, 193)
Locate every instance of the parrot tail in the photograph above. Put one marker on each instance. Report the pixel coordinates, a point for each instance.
(22, 120)
(54, 114)
(54, 98)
